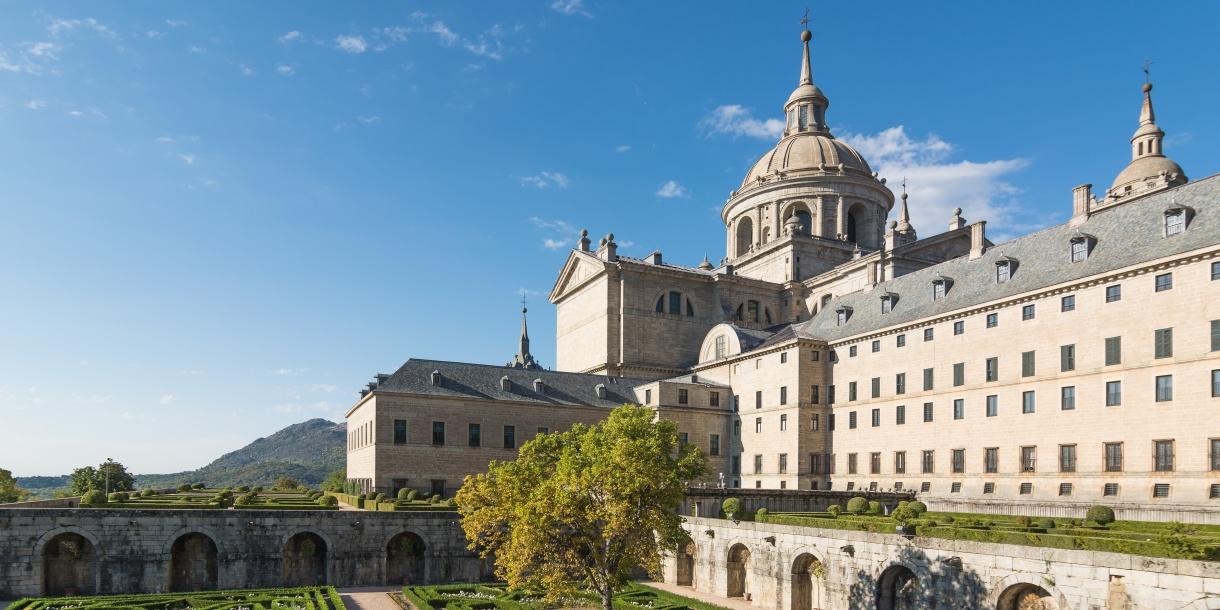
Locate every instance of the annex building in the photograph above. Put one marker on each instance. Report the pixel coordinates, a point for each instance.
(831, 349)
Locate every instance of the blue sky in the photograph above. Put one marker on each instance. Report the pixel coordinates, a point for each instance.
(217, 219)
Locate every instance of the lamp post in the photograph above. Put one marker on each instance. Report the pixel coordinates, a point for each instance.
(109, 461)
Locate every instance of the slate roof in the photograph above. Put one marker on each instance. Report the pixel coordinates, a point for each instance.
(665, 265)
(482, 381)
(1127, 234)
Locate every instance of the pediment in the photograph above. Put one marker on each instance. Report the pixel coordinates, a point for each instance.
(578, 269)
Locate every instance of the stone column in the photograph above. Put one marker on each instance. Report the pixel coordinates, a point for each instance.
(841, 218)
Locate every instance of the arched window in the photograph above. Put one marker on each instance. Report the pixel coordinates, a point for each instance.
(745, 236)
(806, 222)
(851, 228)
(671, 302)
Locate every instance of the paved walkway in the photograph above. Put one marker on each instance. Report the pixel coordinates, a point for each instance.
(368, 598)
(732, 603)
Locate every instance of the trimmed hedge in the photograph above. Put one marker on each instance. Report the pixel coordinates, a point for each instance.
(308, 598)
(634, 596)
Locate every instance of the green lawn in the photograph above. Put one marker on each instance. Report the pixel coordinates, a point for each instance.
(304, 598)
(496, 597)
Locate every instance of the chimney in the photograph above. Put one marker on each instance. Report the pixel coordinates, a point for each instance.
(655, 257)
(978, 239)
(1082, 196)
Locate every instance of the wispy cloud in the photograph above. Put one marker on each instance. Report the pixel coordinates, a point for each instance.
(571, 7)
(60, 27)
(288, 37)
(446, 36)
(352, 44)
(396, 33)
(246, 70)
(196, 50)
(622, 148)
(176, 23)
(489, 44)
(35, 104)
(736, 120)
(167, 398)
(324, 387)
(673, 190)
(546, 179)
(187, 159)
(368, 120)
(558, 234)
(286, 70)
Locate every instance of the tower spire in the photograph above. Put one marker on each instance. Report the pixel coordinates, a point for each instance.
(904, 216)
(806, 67)
(523, 359)
(806, 107)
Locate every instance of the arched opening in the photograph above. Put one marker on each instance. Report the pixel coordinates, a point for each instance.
(739, 571)
(686, 564)
(852, 231)
(745, 236)
(806, 220)
(405, 560)
(1024, 596)
(766, 235)
(807, 591)
(68, 566)
(897, 589)
(192, 564)
(305, 560)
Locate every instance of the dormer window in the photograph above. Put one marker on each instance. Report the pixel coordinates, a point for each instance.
(887, 302)
(940, 287)
(1004, 269)
(1082, 245)
(435, 378)
(843, 315)
(600, 389)
(1176, 219)
(539, 387)
(506, 384)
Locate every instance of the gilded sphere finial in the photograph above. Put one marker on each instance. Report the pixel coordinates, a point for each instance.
(1147, 87)
(806, 35)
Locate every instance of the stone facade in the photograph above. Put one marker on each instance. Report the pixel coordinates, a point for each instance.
(104, 551)
(779, 567)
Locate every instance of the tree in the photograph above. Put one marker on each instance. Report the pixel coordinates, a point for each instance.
(335, 481)
(583, 509)
(286, 483)
(83, 479)
(1100, 514)
(9, 491)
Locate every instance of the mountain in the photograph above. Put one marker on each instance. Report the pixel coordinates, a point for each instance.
(307, 452)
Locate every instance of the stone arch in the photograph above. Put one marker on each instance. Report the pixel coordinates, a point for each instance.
(193, 563)
(69, 560)
(1015, 587)
(737, 570)
(803, 213)
(745, 236)
(766, 235)
(807, 591)
(305, 559)
(1026, 596)
(856, 224)
(898, 589)
(406, 559)
(686, 558)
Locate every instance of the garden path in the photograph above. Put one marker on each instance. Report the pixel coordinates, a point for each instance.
(368, 598)
(732, 603)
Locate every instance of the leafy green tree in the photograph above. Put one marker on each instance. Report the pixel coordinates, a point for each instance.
(335, 481)
(583, 509)
(9, 491)
(286, 483)
(730, 507)
(83, 479)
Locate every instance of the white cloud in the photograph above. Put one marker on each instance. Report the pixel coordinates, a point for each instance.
(546, 179)
(286, 70)
(35, 104)
(282, 371)
(447, 37)
(396, 33)
(196, 50)
(60, 27)
(175, 23)
(554, 244)
(187, 159)
(42, 49)
(736, 120)
(936, 184)
(164, 140)
(155, 34)
(75, 113)
(571, 7)
(622, 148)
(288, 37)
(559, 234)
(352, 44)
(489, 44)
(246, 70)
(368, 120)
(324, 387)
(167, 398)
(672, 190)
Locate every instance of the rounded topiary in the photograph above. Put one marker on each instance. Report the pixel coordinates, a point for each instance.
(1024, 522)
(903, 514)
(404, 494)
(412, 495)
(731, 507)
(197, 486)
(118, 496)
(1046, 523)
(903, 504)
(243, 500)
(857, 505)
(224, 502)
(452, 503)
(760, 514)
(362, 497)
(874, 508)
(947, 519)
(147, 493)
(1100, 514)
(435, 499)
(243, 488)
(184, 487)
(919, 507)
(93, 496)
(380, 497)
(834, 509)
(328, 501)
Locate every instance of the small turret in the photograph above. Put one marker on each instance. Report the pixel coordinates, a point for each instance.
(523, 359)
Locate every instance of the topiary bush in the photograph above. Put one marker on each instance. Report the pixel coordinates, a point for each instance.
(380, 497)
(147, 493)
(1100, 514)
(1045, 523)
(328, 501)
(243, 500)
(834, 509)
(197, 486)
(919, 507)
(731, 507)
(243, 488)
(903, 514)
(118, 496)
(184, 487)
(452, 503)
(760, 514)
(857, 505)
(435, 499)
(874, 508)
(412, 495)
(404, 494)
(93, 496)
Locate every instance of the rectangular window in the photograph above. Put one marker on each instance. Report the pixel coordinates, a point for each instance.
(927, 334)
(1216, 383)
(1067, 358)
(927, 380)
(647, 397)
(993, 405)
(876, 418)
(1065, 489)
(1175, 222)
(1114, 393)
(959, 374)
(993, 369)
(735, 466)
(876, 346)
(991, 459)
(929, 461)
(783, 423)
(1114, 351)
(851, 351)
(993, 320)
(1164, 282)
(474, 435)
(1213, 452)
(783, 358)
(758, 399)
(737, 429)
(1002, 272)
(721, 347)
(1163, 456)
(1215, 335)
(925, 487)
(714, 445)
(938, 290)
(1160, 490)
(1164, 343)
(959, 327)
(1109, 489)
(814, 396)
(1026, 489)
(815, 463)
(874, 463)
(783, 395)
(816, 355)
(400, 432)
(1067, 303)
(851, 391)
(757, 464)
(959, 461)
(1028, 364)
(1080, 250)
(1113, 457)
(1067, 458)
(542, 430)
(900, 415)
(683, 396)
(900, 462)
(815, 422)
(927, 411)
(830, 394)
(1114, 293)
(683, 439)
(438, 433)
(1029, 459)
(758, 425)
(675, 302)
(830, 422)
(1027, 312)
(901, 340)
(1164, 388)
(959, 408)
(851, 463)
(1215, 271)
(1028, 402)
(1067, 398)
(713, 399)
(851, 420)
(510, 437)
(875, 387)
(783, 463)
(900, 383)
(989, 488)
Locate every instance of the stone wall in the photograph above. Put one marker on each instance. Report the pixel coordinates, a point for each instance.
(45, 551)
(780, 567)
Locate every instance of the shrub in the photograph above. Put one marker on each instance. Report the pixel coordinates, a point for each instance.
(731, 507)
(118, 496)
(903, 514)
(1100, 514)
(1024, 522)
(147, 493)
(452, 503)
(93, 496)
(225, 502)
(874, 508)
(760, 514)
(435, 499)
(184, 487)
(834, 509)
(362, 497)
(243, 500)
(404, 494)
(257, 488)
(328, 501)
(947, 519)
(1046, 523)
(380, 497)
(224, 493)
(919, 507)
(243, 488)
(857, 505)
(903, 503)
(197, 486)
(412, 495)
(1179, 540)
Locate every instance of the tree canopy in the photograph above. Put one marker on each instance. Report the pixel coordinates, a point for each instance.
(83, 479)
(583, 509)
(9, 491)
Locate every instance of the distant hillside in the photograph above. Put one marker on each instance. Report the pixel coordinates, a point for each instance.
(307, 452)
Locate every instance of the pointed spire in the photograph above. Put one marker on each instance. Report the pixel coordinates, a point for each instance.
(904, 215)
(806, 107)
(1147, 116)
(806, 66)
(523, 359)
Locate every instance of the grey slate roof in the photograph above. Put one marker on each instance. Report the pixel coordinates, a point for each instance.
(482, 381)
(1127, 234)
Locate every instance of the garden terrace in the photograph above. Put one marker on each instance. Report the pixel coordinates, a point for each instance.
(305, 598)
(389, 505)
(213, 499)
(634, 596)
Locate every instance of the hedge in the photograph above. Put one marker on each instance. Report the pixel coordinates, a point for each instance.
(634, 596)
(308, 598)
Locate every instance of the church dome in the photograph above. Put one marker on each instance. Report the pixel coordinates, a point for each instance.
(807, 152)
(1147, 167)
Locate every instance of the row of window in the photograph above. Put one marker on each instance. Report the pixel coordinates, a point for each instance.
(474, 434)
(1158, 490)
(360, 436)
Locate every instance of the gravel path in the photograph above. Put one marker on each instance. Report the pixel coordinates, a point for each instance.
(368, 598)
